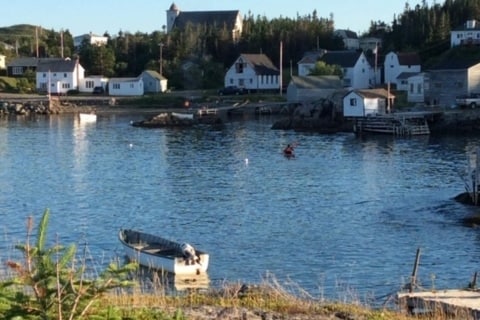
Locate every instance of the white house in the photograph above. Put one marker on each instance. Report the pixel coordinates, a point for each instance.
(358, 73)
(3, 64)
(397, 63)
(153, 81)
(253, 72)
(402, 80)
(468, 33)
(125, 87)
(91, 38)
(88, 83)
(310, 88)
(417, 84)
(362, 103)
(350, 39)
(307, 63)
(59, 76)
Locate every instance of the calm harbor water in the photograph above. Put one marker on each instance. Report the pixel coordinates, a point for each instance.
(341, 220)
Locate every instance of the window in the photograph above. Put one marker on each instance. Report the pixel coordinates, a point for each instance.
(66, 85)
(17, 70)
(231, 81)
(44, 75)
(64, 75)
(419, 88)
(239, 67)
(411, 88)
(89, 84)
(353, 102)
(116, 86)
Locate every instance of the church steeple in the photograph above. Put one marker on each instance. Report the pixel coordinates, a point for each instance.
(172, 14)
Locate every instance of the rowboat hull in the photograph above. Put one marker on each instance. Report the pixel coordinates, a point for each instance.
(161, 254)
(184, 116)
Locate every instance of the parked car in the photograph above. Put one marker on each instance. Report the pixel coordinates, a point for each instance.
(231, 90)
(98, 90)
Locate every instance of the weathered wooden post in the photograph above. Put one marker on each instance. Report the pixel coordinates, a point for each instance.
(413, 280)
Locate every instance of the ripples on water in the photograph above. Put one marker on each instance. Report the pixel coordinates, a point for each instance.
(344, 217)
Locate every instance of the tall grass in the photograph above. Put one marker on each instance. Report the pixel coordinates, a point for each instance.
(52, 283)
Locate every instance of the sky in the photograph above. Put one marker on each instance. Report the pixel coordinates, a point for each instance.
(146, 16)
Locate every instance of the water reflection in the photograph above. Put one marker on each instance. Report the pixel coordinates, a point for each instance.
(157, 280)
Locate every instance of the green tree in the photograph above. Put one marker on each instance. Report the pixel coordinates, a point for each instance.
(97, 60)
(323, 69)
(51, 284)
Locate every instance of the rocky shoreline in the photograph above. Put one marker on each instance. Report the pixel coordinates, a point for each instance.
(321, 116)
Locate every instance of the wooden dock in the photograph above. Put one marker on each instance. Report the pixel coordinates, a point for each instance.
(456, 303)
(398, 125)
(463, 304)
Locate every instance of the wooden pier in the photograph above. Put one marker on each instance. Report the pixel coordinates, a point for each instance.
(459, 303)
(398, 125)
(463, 304)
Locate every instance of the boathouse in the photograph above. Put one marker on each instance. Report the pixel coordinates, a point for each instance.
(371, 112)
(368, 102)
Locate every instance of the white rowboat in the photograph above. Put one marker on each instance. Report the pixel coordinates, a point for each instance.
(161, 254)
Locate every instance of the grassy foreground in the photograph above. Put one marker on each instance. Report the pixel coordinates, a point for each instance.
(54, 283)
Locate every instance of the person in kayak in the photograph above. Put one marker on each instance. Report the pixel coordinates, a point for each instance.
(288, 151)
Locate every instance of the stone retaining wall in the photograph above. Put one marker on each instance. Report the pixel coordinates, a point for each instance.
(53, 105)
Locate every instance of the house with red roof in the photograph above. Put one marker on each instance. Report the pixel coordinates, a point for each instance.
(402, 64)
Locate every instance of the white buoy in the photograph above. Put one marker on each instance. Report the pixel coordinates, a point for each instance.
(131, 145)
(246, 160)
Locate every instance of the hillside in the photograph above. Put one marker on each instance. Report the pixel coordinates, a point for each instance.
(13, 33)
(457, 56)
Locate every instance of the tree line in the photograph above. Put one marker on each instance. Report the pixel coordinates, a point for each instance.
(198, 56)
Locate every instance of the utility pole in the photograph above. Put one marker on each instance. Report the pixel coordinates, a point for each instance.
(161, 54)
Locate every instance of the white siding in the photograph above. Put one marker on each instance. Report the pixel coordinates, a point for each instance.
(393, 68)
(416, 89)
(361, 74)
(2, 62)
(353, 105)
(248, 79)
(60, 82)
(125, 87)
(87, 84)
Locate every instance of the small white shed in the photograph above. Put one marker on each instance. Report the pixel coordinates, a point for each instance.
(362, 103)
(125, 87)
